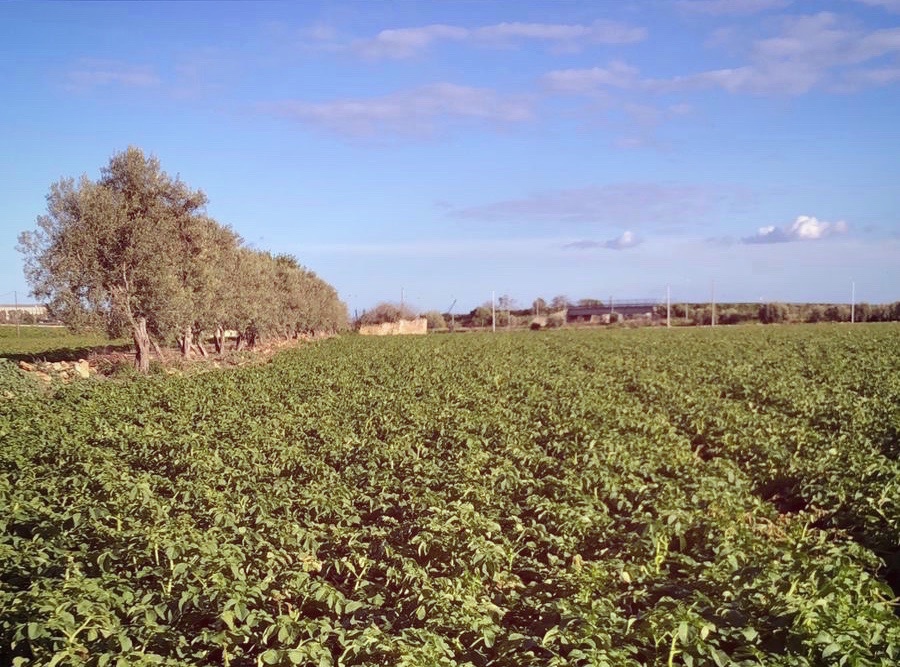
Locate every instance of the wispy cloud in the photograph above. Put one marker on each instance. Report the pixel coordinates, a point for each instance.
(889, 5)
(398, 43)
(598, 32)
(627, 239)
(445, 247)
(583, 81)
(816, 51)
(414, 112)
(730, 7)
(804, 228)
(809, 52)
(644, 204)
(89, 74)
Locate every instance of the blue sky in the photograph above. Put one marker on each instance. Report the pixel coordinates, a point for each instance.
(449, 149)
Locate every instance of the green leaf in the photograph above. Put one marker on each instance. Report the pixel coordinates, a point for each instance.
(353, 605)
(719, 657)
(830, 649)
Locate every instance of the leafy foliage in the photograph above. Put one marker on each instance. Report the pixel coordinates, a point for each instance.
(694, 497)
(134, 252)
(387, 312)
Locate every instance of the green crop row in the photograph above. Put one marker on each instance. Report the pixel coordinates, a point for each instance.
(689, 497)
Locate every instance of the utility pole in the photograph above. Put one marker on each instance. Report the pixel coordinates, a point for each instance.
(493, 311)
(668, 306)
(401, 298)
(713, 320)
(452, 316)
(852, 302)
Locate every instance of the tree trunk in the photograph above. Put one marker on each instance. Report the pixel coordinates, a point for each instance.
(199, 347)
(156, 349)
(219, 339)
(239, 343)
(141, 345)
(186, 339)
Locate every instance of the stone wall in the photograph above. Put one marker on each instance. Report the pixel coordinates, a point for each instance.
(418, 326)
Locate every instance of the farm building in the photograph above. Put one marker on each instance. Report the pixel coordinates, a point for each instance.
(612, 311)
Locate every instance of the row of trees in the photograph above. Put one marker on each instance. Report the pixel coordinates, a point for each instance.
(135, 252)
(17, 317)
(777, 313)
(504, 312)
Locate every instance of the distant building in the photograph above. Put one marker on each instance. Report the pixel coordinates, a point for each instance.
(604, 314)
(8, 311)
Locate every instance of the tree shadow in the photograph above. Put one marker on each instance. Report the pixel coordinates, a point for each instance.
(67, 353)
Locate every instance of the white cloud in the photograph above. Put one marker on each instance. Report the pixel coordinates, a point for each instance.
(809, 52)
(90, 73)
(406, 42)
(627, 239)
(320, 32)
(401, 43)
(599, 32)
(412, 112)
(581, 81)
(889, 5)
(653, 204)
(804, 228)
(877, 76)
(730, 7)
(814, 51)
(464, 248)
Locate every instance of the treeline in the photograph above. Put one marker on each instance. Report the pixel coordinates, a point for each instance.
(18, 317)
(135, 252)
(783, 313)
(697, 314)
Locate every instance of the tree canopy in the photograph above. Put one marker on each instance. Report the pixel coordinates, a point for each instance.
(387, 312)
(135, 251)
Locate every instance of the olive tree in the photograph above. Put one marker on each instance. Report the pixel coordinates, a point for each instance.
(135, 252)
(106, 253)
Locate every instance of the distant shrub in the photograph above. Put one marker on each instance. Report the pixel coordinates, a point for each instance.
(816, 314)
(556, 320)
(837, 313)
(387, 312)
(773, 313)
(435, 320)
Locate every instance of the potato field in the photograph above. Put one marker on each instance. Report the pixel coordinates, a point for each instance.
(725, 496)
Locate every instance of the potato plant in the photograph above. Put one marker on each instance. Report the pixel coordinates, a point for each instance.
(684, 497)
